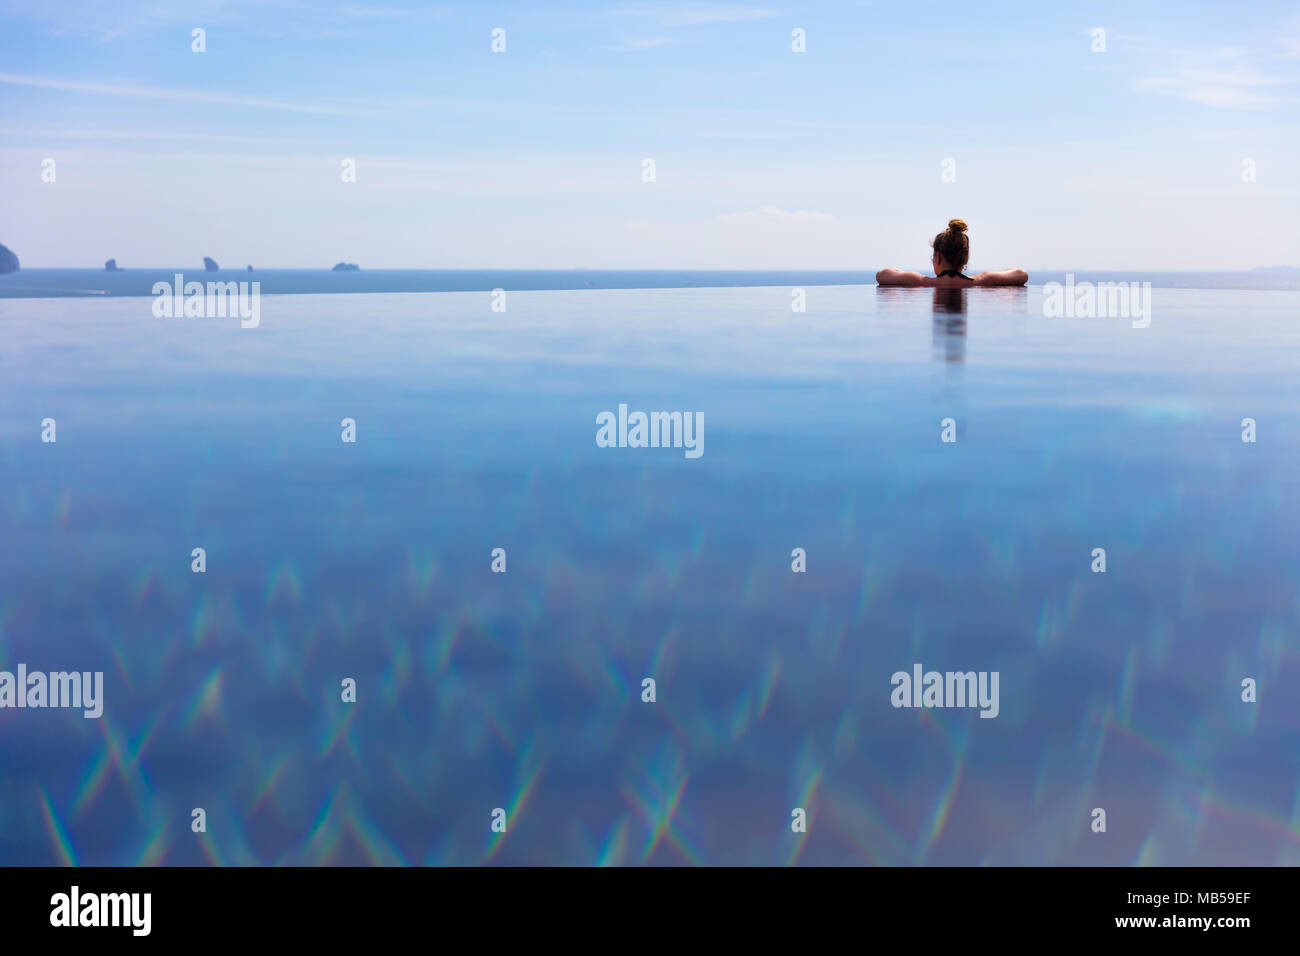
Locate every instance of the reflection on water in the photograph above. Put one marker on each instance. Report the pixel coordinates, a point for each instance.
(949, 326)
(950, 300)
(522, 690)
(949, 307)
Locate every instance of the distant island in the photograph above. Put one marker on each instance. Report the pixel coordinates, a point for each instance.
(250, 268)
(346, 267)
(8, 261)
(210, 264)
(111, 266)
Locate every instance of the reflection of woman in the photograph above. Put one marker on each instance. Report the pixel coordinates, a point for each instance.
(949, 330)
(950, 340)
(949, 300)
(951, 253)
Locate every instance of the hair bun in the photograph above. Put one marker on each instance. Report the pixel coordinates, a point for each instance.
(956, 225)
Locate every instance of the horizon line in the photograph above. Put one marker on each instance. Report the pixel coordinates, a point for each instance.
(245, 270)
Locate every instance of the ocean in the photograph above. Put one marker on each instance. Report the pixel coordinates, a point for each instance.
(822, 445)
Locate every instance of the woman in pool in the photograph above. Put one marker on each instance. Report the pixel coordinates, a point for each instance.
(951, 252)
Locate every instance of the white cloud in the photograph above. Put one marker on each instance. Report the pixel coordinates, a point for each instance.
(105, 22)
(1232, 87)
(695, 14)
(636, 44)
(189, 96)
(1227, 75)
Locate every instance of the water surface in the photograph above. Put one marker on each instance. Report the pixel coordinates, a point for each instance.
(476, 430)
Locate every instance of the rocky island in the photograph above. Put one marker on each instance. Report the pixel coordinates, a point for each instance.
(346, 267)
(111, 266)
(210, 264)
(8, 261)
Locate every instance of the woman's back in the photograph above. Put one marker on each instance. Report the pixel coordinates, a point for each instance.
(951, 253)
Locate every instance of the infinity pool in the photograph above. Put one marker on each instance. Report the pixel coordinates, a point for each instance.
(475, 430)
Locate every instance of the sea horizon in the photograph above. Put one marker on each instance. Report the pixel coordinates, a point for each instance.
(135, 282)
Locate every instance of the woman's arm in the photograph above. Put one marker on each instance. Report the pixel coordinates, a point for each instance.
(898, 277)
(1005, 277)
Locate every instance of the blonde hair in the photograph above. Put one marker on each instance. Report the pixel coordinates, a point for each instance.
(953, 245)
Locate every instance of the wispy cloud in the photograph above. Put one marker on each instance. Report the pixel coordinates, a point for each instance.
(105, 22)
(1231, 88)
(48, 134)
(695, 14)
(1228, 75)
(179, 95)
(636, 44)
(1289, 36)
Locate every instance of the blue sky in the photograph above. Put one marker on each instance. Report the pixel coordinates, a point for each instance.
(765, 158)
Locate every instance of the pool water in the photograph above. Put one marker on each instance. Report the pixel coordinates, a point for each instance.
(522, 691)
